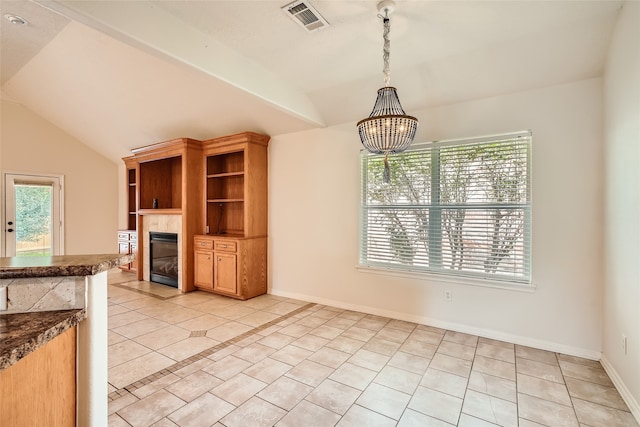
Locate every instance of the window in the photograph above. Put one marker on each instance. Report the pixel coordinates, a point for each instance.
(460, 208)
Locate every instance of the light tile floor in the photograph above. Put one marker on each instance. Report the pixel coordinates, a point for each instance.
(199, 359)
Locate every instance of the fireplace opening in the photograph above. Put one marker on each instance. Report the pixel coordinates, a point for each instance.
(163, 253)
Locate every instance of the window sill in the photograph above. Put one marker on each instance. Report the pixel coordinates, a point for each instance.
(467, 281)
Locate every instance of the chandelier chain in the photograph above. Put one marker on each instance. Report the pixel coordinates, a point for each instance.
(386, 50)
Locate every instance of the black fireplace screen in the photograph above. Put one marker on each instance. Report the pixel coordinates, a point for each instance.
(164, 258)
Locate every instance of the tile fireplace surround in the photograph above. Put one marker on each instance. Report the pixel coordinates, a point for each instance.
(162, 224)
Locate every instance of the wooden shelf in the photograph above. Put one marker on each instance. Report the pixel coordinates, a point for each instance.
(225, 200)
(225, 175)
(168, 211)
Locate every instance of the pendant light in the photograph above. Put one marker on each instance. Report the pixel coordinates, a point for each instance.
(387, 129)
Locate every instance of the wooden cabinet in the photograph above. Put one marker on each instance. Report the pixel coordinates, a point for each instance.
(203, 268)
(128, 244)
(235, 214)
(235, 267)
(168, 181)
(225, 273)
(218, 187)
(40, 389)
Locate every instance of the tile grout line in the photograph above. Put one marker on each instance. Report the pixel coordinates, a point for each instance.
(129, 389)
(140, 291)
(200, 356)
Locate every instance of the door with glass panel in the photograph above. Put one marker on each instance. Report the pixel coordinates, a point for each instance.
(33, 215)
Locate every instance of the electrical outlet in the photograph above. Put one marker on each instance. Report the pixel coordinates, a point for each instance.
(448, 296)
(624, 344)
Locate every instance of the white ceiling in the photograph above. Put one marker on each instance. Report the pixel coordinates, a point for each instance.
(122, 74)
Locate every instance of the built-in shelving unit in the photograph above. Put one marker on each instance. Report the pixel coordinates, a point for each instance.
(132, 210)
(231, 254)
(218, 188)
(167, 180)
(236, 185)
(131, 180)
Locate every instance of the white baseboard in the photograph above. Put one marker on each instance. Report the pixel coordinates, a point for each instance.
(467, 329)
(628, 398)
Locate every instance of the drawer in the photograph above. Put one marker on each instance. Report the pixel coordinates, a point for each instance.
(225, 246)
(203, 244)
(133, 237)
(123, 236)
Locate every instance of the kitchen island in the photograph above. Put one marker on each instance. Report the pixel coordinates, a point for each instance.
(55, 305)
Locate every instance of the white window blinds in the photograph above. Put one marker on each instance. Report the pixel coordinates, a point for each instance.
(456, 207)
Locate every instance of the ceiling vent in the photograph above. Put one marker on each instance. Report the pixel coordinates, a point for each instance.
(305, 15)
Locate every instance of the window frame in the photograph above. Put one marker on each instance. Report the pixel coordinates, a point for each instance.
(523, 282)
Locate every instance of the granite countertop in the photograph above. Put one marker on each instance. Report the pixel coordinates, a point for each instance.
(65, 265)
(23, 333)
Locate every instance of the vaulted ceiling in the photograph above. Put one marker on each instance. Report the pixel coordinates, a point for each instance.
(122, 74)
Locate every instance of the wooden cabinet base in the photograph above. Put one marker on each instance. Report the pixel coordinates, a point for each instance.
(40, 389)
(235, 267)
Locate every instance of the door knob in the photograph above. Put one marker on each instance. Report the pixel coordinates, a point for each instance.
(10, 223)
(10, 230)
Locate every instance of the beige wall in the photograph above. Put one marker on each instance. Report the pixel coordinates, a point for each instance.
(314, 208)
(622, 207)
(31, 144)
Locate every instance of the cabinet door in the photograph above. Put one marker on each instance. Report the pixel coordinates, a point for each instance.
(133, 248)
(225, 273)
(123, 248)
(203, 271)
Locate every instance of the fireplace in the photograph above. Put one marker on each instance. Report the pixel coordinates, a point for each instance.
(163, 258)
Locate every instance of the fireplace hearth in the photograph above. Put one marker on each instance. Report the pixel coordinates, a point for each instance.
(163, 258)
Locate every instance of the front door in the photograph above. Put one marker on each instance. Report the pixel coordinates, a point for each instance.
(33, 215)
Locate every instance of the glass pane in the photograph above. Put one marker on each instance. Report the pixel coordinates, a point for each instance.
(460, 208)
(33, 219)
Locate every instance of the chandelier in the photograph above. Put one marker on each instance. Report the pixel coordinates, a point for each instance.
(387, 129)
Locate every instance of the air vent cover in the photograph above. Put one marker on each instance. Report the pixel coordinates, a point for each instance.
(305, 15)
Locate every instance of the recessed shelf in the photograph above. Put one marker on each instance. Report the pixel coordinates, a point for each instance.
(224, 200)
(225, 174)
(168, 211)
(161, 183)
